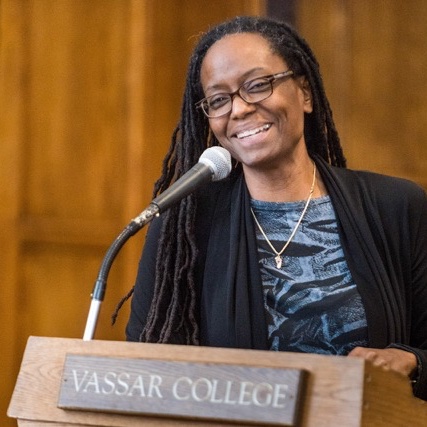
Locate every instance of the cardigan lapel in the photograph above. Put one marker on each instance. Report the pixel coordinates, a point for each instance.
(232, 279)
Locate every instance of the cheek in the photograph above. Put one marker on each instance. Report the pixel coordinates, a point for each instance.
(218, 128)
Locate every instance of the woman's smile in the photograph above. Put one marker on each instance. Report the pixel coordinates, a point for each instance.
(254, 131)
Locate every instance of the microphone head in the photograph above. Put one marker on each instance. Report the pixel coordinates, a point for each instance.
(218, 159)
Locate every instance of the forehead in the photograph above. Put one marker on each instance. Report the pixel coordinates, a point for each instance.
(237, 54)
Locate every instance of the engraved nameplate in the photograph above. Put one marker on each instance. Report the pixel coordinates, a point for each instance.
(258, 395)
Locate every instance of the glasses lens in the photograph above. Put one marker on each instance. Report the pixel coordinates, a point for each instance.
(256, 90)
(217, 105)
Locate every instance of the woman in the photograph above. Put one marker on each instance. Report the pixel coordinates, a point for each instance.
(292, 252)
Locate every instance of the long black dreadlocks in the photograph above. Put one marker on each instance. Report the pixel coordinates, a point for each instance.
(172, 317)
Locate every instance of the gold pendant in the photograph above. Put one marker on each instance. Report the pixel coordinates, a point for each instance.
(278, 260)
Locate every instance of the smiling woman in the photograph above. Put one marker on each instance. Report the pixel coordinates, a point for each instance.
(293, 251)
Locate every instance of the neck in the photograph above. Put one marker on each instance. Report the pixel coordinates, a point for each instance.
(288, 184)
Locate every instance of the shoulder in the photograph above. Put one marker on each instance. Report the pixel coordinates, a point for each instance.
(370, 179)
(384, 189)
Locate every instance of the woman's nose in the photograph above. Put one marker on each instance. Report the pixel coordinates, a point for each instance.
(240, 107)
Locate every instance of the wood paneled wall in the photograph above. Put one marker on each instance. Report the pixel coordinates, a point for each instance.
(90, 91)
(374, 62)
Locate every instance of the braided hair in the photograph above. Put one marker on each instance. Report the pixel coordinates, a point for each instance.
(173, 314)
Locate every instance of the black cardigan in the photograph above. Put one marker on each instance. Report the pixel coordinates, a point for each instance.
(382, 224)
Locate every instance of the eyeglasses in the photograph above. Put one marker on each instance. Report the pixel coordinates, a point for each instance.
(253, 91)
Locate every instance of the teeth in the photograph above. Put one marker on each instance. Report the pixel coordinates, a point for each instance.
(253, 131)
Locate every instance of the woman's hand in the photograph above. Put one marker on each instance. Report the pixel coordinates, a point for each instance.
(393, 359)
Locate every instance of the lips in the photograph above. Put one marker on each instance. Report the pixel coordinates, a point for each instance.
(251, 132)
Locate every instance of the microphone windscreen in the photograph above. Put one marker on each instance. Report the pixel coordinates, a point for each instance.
(218, 159)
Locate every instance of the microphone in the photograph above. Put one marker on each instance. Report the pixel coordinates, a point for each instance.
(214, 164)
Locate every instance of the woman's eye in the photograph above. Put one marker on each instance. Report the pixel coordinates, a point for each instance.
(258, 86)
(218, 101)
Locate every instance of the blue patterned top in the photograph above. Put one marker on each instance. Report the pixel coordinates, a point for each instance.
(312, 303)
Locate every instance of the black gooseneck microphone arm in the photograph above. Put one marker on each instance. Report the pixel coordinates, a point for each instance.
(100, 286)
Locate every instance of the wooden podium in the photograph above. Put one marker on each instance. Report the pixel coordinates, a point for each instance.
(338, 391)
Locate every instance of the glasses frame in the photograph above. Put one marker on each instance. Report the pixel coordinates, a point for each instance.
(271, 79)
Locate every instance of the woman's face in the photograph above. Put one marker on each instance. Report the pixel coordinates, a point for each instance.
(265, 134)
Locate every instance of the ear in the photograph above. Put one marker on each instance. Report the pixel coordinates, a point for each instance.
(306, 91)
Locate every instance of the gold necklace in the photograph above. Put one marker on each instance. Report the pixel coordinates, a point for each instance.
(278, 258)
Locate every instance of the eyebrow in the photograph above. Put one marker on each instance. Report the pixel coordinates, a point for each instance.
(244, 76)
